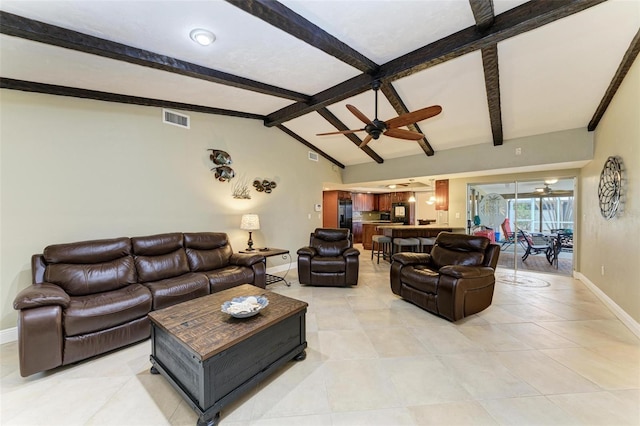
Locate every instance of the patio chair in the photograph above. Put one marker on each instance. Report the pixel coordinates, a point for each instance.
(509, 235)
(535, 243)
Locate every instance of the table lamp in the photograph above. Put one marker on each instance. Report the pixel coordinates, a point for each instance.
(250, 222)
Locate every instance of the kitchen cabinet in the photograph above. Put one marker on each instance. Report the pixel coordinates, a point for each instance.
(442, 194)
(363, 202)
(368, 231)
(356, 229)
(384, 202)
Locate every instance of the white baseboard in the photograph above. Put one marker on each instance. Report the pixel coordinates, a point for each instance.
(8, 335)
(626, 319)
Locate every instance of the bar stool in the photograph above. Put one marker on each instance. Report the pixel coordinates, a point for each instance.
(399, 243)
(426, 242)
(380, 243)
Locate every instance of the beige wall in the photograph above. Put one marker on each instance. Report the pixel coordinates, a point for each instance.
(615, 244)
(74, 169)
(558, 150)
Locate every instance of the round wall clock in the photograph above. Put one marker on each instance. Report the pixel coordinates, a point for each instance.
(492, 210)
(610, 187)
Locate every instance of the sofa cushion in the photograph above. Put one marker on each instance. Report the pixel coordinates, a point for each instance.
(207, 251)
(330, 248)
(328, 264)
(229, 276)
(154, 245)
(95, 251)
(178, 289)
(421, 278)
(443, 256)
(79, 279)
(155, 268)
(100, 311)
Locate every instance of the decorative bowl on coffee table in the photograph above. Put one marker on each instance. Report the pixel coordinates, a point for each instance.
(245, 306)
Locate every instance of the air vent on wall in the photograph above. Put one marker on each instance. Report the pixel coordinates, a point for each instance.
(175, 119)
(313, 156)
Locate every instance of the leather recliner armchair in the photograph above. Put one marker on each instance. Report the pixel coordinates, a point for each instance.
(454, 281)
(330, 259)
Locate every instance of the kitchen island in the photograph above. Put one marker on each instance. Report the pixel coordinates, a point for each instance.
(414, 231)
(369, 229)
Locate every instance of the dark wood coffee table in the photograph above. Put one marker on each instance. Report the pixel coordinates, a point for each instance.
(211, 358)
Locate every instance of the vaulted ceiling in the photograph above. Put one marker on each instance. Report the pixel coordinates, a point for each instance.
(499, 69)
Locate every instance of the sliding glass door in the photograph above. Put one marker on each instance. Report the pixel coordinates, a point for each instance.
(528, 219)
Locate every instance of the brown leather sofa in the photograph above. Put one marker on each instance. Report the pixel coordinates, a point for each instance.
(454, 281)
(329, 259)
(91, 297)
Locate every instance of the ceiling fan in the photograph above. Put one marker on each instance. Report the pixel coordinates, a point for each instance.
(547, 190)
(376, 127)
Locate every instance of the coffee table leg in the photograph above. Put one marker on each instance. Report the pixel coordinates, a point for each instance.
(302, 355)
(209, 422)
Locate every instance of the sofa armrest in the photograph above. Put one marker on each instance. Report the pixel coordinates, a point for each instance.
(307, 251)
(412, 258)
(38, 295)
(351, 252)
(459, 271)
(246, 259)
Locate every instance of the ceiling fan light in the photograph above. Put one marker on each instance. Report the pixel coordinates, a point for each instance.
(392, 186)
(550, 181)
(202, 37)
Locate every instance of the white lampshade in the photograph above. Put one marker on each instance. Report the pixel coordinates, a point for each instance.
(250, 222)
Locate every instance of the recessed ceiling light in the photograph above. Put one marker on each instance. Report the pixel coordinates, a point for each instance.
(202, 37)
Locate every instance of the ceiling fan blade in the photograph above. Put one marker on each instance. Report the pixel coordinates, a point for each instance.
(366, 141)
(414, 117)
(404, 134)
(355, 111)
(342, 132)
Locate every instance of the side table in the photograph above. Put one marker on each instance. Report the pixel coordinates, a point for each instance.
(268, 252)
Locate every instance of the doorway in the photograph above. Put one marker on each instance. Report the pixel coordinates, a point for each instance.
(531, 220)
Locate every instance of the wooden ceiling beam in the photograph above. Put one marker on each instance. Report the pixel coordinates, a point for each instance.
(290, 22)
(627, 60)
(484, 16)
(309, 145)
(50, 89)
(482, 13)
(526, 17)
(396, 102)
(30, 29)
(492, 84)
(335, 121)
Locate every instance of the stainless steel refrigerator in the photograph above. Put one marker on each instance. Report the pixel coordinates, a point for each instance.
(344, 214)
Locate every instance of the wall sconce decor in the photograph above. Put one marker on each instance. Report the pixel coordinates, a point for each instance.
(221, 161)
(250, 222)
(264, 185)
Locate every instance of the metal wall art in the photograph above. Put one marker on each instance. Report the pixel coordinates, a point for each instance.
(241, 190)
(264, 185)
(221, 161)
(610, 187)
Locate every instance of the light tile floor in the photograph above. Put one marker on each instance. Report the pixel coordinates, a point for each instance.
(547, 352)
